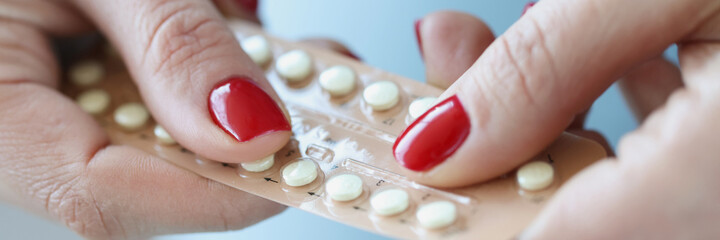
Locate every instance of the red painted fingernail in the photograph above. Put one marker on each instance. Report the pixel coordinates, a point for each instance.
(244, 110)
(417, 35)
(433, 137)
(352, 55)
(248, 5)
(527, 7)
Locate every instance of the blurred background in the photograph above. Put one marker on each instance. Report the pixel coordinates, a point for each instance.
(381, 33)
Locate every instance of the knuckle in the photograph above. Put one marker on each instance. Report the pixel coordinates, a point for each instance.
(182, 37)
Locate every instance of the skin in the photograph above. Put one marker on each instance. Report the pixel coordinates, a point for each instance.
(550, 66)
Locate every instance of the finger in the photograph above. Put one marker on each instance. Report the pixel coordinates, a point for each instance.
(648, 86)
(624, 196)
(54, 17)
(450, 42)
(529, 84)
(242, 9)
(331, 45)
(55, 161)
(194, 77)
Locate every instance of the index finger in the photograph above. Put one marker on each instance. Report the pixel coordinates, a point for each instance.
(527, 86)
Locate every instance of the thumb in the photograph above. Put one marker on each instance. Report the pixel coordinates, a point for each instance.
(194, 76)
(528, 85)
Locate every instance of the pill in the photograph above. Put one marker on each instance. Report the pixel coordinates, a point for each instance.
(535, 175)
(344, 187)
(420, 106)
(86, 73)
(257, 48)
(131, 116)
(94, 101)
(260, 165)
(294, 66)
(390, 202)
(436, 214)
(300, 173)
(381, 95)
(338, 80)
(162, 135)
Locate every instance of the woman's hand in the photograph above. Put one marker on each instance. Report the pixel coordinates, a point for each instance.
(532, 82)
(56, 161)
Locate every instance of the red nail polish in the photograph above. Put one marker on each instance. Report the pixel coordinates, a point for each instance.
(352, 55)
(244, 110)
(527, 7)
(248, 5)
(417, 35)
(433, 137)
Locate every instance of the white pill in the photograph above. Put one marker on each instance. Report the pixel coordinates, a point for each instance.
(390, 202)
(381, 95)
(87, 73)
(294, 66)
(436, 214)
(535, 175)
(131, 116)
(344, 187)
(420, 106)
(162, 135)
(259, 165)
(300, 173)
(338, 80)
(94, 101)
(257, 48)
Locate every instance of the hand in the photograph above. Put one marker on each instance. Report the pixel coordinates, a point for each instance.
(531, 83)
(56, 161)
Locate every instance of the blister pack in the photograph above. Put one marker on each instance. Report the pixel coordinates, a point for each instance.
(339, 163)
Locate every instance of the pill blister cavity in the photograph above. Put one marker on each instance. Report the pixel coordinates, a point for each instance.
(345, 187)
(257, 48)
(420, 106)
(338, 80)
(94, 101)
(163, 136)
(535, 176)
(390, 202)
(87, 73)
(131, 116)
(436, 214)
(260, 165)
(299, 173)
(381, 95)
(294, 66)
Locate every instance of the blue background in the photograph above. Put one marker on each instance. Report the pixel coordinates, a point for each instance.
(382, 34)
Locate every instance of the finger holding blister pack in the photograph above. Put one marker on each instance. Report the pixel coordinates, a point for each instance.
(339, 163)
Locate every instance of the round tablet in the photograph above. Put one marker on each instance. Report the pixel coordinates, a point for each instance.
(436, 214)
(344, 187)
(131, 116)
(94, 101)
(381, 95)
(300, 173)
(294, 66)
(338, 80)
(257, 48)
(260, 165)
(390, 202)
(420, 106)
(162, 135)
(86, 73)
(535, 175)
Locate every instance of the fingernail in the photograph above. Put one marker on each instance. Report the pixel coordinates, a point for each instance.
(243, 110)
(352, 55)
(433, 137)
(248, 5)
(417, 35)
(527, 7)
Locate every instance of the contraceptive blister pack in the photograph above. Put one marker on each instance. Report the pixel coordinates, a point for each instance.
(339, 164)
